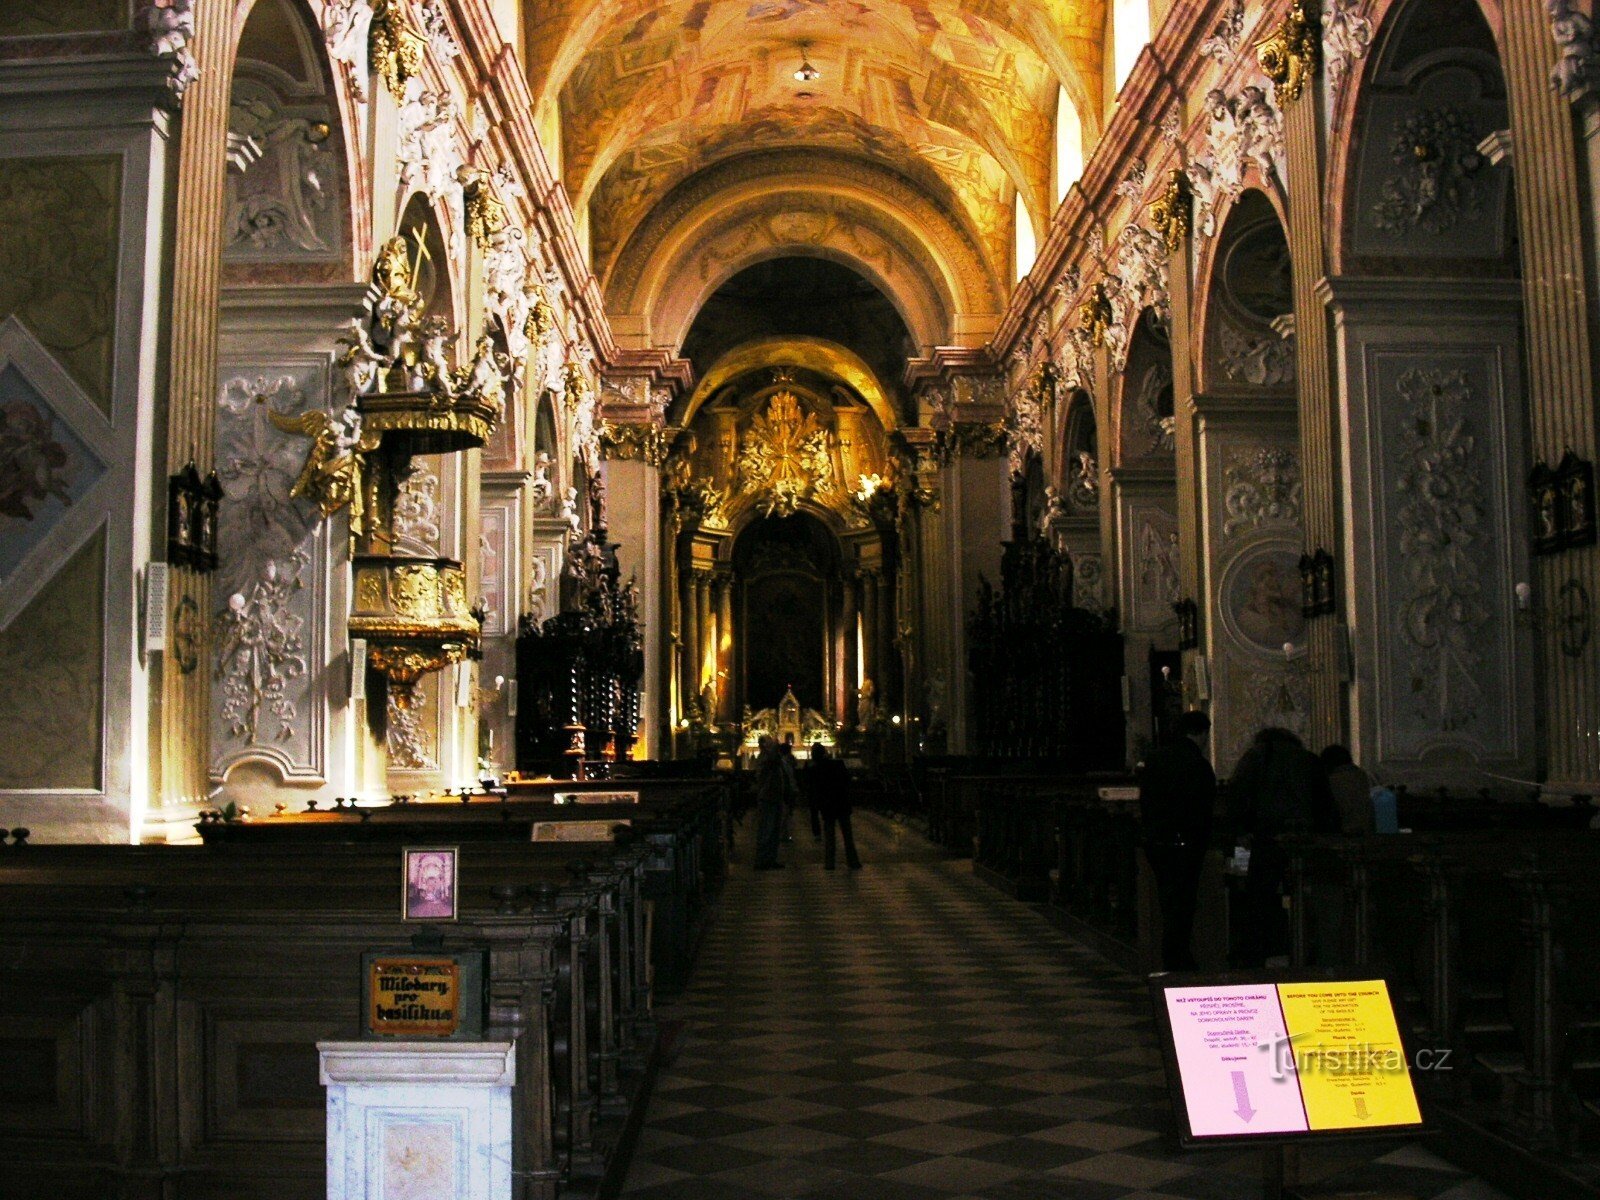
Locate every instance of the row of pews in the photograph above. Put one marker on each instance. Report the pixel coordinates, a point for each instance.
(164, 1004)
(1482, 916)
(1488, 936)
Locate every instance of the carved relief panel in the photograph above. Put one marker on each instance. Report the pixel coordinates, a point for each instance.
(270, 595)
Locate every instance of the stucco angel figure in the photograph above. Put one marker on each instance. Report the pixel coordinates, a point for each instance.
(866, 705)
(360, 362)
(569, 512)
(433, 368)
(541, 488)
(484, 379)
(331, 477)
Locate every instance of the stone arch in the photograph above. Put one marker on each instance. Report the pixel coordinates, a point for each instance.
(1432, 77)
(1078, 478)
(1427, 312)
(292, 187)
(1142, 399)
(815, 354)
(1246, 302)
(783, 203)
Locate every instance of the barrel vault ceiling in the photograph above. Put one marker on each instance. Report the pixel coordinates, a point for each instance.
(956, 96)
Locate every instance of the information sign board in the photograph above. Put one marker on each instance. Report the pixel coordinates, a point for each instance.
(411, 994)
(1263, 1059)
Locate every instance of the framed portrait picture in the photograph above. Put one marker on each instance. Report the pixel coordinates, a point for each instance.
(429, 884)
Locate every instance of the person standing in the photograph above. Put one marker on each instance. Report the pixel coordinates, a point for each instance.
(1177, 794)
(1279, 789)
(775, 785)
(1351, 788)
(828, 783)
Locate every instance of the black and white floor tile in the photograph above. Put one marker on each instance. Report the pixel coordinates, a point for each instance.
(906, 1033)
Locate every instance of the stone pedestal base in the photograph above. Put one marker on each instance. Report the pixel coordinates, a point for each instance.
(424, 1119)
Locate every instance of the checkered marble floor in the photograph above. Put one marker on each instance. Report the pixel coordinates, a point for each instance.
(907, 1033)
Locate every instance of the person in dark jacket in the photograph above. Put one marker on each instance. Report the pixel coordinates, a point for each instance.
(1177, 793)
(775, 788)
(828, 786)
(1279, 789)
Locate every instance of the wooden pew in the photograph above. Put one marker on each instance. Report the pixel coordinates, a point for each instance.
(197, 981)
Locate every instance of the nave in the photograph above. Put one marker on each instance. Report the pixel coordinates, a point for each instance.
(907, 1033)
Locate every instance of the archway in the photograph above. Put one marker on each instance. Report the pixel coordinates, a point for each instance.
(1428, 327)
(789, 616)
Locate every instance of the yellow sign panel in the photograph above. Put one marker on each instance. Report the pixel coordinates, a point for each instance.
(1348, 1055)
(414, 997)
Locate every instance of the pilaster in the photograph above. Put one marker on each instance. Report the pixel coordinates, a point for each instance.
(184, 704)
(1319, 473)
(1556, 291)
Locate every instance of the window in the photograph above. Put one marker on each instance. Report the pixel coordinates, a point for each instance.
(1069, 144)
(1027, 247)
(1130, 30)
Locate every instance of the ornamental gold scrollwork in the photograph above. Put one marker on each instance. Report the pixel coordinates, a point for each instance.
(784, 456)
(1291, 54)
(1171, 214)
(634, 443)
(414, 590)
(973, 439)
(395, 46)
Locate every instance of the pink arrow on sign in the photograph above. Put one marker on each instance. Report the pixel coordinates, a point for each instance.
(1241, 1096)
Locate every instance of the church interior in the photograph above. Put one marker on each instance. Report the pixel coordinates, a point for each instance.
(500, 475)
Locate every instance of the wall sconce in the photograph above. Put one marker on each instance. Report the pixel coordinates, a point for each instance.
(1575, 484)
(193, 504)
(1188, 624)
(1562, 504)
(1316, 584)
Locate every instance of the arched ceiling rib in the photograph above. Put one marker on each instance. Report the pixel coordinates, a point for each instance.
(955, 93)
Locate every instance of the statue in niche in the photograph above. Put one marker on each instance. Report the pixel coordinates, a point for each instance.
(569, 513)
(866, 706)
(597, 503)
(541, 490)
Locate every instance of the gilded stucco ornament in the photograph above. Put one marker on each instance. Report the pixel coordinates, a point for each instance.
(395, 46)
(784, 456)
(1171, 214)
(1096, 315)
(973, 439)
(486, 215)
(634, 443)
(1291, 53)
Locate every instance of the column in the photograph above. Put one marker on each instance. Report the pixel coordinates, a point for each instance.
(708, 632)
(869, 630)
(849, 620)
(724, 652)
(690, 685)
(181, 775)
(887, 628)
(1319, 418)
(1560, 379)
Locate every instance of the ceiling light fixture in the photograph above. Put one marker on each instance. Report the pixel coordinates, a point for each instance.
(807, 73)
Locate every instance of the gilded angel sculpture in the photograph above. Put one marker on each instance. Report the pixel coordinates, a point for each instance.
(331, 477)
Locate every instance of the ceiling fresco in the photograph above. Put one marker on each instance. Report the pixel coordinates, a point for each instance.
(957, 96)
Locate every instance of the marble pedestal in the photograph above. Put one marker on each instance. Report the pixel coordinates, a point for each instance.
(418, 1120)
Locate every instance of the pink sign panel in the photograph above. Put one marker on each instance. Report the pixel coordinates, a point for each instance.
(1234, 1061)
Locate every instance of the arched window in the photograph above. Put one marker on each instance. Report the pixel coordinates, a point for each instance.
(1130, 30)
(1069, 144)
(1027, 245)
